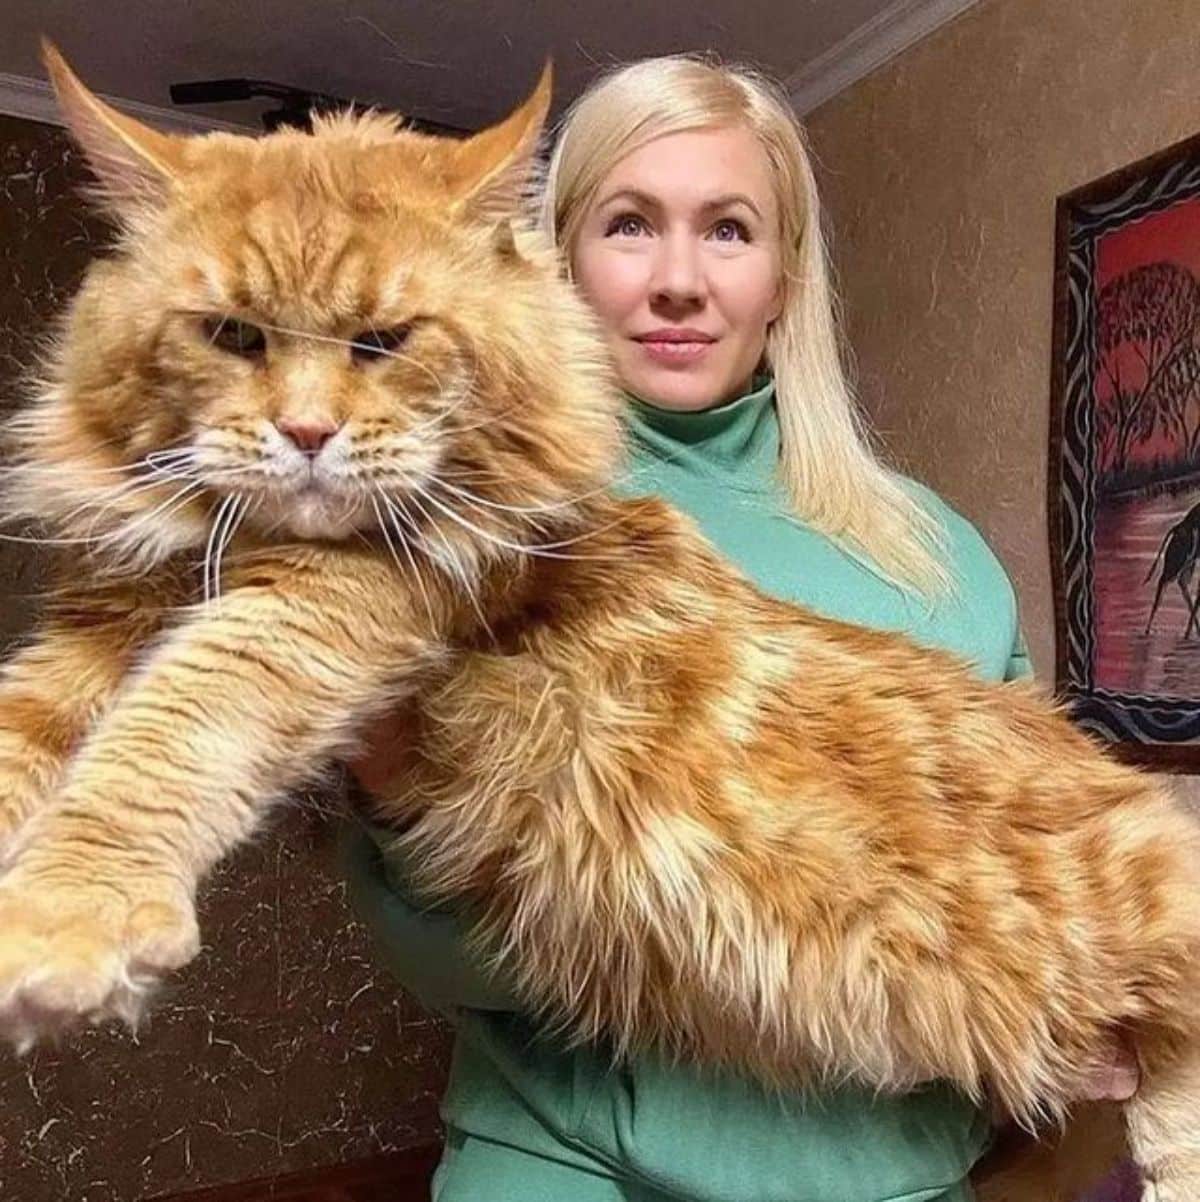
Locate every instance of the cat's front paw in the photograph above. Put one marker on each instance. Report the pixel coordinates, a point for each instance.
(86, 952)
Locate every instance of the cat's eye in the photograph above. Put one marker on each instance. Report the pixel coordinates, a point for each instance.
(237, 337)
(379, 344)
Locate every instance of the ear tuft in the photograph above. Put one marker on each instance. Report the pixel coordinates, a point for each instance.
(491, 172)
(134, 164)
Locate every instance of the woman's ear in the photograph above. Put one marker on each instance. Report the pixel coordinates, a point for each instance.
(779, 302)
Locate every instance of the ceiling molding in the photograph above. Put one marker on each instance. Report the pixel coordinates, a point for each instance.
(886, 35)
(34, 100)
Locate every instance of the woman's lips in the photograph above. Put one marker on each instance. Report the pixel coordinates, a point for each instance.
(676, 347)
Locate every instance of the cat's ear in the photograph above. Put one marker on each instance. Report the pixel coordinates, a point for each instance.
(134, 164)
(492, 171)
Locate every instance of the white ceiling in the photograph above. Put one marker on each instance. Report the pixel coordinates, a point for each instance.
(459, 62)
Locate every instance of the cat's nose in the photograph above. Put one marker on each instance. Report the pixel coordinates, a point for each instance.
(310, 435)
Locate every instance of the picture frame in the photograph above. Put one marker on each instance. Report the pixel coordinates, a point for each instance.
(1124, 458)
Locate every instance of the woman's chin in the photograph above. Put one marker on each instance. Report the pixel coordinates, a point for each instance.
(684, 391)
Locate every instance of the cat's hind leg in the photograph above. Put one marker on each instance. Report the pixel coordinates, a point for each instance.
(1163, 1119)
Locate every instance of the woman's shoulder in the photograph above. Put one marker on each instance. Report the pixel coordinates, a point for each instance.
(936, 505)
(967, 549)
(982, 619)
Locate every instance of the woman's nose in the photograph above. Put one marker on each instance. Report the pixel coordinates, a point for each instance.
(678, 276)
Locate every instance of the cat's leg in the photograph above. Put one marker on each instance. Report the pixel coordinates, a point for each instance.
(1163, 1120)
(235, 706)
(53, 690)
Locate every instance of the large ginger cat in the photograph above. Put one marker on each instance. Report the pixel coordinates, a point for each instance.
(326, 434)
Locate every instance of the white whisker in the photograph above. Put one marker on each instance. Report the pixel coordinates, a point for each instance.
(236, 516)
(546, 550)
(110, 497)
(48, 541)
(175, 501)
(384, 525)
(211, 585)
(454, 561)
(475, 499)
(349, 342)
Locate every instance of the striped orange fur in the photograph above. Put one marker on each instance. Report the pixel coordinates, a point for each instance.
(685, 815)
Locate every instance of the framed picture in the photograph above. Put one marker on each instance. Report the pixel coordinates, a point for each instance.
(1124, 470)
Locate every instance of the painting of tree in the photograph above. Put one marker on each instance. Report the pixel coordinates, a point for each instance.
(1125, 457)
(1146, 325)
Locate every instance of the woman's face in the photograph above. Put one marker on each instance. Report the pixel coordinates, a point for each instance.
(679, 255)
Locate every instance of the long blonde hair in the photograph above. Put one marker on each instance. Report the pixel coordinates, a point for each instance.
(835, 480)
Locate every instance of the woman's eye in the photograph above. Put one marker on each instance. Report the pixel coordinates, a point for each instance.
(627, 225)
(730, 230)
(236, 337)
(379, 344)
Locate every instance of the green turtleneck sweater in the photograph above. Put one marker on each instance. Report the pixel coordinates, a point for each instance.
(530, 1121)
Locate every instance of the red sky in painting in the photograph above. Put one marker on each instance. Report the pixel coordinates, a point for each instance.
(1172, 235)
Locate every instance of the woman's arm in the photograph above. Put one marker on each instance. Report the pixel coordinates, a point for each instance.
(427, 950)
(1020, 667)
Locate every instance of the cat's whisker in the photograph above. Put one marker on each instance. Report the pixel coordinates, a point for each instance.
(30, 541)
(222, 508)
(168, 455)
(175, 502)
(414, 539)
(382, 523)
(439, 419)
(482, 424)
(352, 345)
(384, 526)
(34, 469)
(106, 500)
(136, 520)
(549, 507)
(43, 469)
(454, 560)
(239, 511)
(546, 550)
(111, 495)
(352, 503)
(130, 488)
(466, 392)
(210, 585)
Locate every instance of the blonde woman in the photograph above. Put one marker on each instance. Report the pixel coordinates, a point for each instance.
(684, 203)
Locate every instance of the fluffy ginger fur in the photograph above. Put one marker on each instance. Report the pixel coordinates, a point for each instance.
(686, 816)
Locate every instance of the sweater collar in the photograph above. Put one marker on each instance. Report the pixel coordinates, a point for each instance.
(739, 437)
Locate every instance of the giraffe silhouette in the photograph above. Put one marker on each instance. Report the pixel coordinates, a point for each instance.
(1178, 551)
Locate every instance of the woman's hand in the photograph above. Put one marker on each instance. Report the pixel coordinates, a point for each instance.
(1113, 1074)
(381, 760)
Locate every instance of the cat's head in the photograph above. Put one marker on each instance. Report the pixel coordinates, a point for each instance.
(313, 335)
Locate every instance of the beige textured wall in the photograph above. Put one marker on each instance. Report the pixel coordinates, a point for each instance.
(940, 172)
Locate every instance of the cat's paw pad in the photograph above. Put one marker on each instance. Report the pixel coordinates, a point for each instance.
(85, 954)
